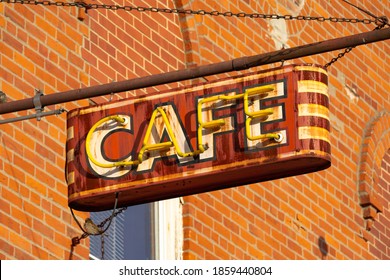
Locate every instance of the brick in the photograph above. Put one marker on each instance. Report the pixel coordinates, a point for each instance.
(44, 152)
(11, 66)
(230, 203)
(11, 41)
(34, 210)
(54, 146)
(75, 35)
(20, 242)
(46, 26)
(22, 255)
(221, 253)
(43, 228)
(54, 223)
(55, 251)
(39, 252)
(15, 172)
(10, 223)
(66, 41)
(6, 247)
(25, 62)
(231, 225)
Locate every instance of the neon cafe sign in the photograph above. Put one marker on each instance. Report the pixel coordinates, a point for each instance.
(200, 138)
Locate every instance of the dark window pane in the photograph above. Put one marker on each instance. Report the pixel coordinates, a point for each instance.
(129, 236)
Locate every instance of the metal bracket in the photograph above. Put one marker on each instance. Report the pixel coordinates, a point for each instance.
(38, 104)
(38, 108)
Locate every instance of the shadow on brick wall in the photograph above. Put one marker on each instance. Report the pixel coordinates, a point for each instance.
(323, 246)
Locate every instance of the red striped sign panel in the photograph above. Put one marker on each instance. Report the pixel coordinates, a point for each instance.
(200, 138)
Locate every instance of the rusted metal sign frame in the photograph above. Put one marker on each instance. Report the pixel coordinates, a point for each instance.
(105, 146)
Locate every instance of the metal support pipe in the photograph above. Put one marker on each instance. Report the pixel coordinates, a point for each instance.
(37, 116)
(201, 71)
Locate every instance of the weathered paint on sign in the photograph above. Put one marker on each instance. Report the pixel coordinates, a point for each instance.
(221, 134)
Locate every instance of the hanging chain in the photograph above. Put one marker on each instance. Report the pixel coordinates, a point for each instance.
(102, 247)
(76, 240)
(87, 6)
(340, 55)
(381, 22)
(349, 49)
(102, 224)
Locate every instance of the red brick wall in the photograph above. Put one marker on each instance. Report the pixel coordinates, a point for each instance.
(48, 48)
(331, 214)
(380, 242)
(38, 49)
(340, 213)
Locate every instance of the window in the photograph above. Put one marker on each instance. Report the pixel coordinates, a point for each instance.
(129, 236)
(141, 232)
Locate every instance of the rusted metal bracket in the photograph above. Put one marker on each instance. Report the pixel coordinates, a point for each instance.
(38, 104)
(38, 108)
(83, 9)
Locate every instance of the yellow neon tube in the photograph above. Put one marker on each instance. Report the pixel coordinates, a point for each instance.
(152, 147)
(213, 123)
(275, 136)
(164, 145)
(262, 114)
(173, 138)
(260, 91)
(88, 144)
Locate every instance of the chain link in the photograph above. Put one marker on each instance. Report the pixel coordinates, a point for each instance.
(102, 224)
(381, 22)
(340, 55)
(76, 240)
(87, 6)
(102, 247)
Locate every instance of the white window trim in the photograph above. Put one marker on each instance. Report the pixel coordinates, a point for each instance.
(168, 221)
